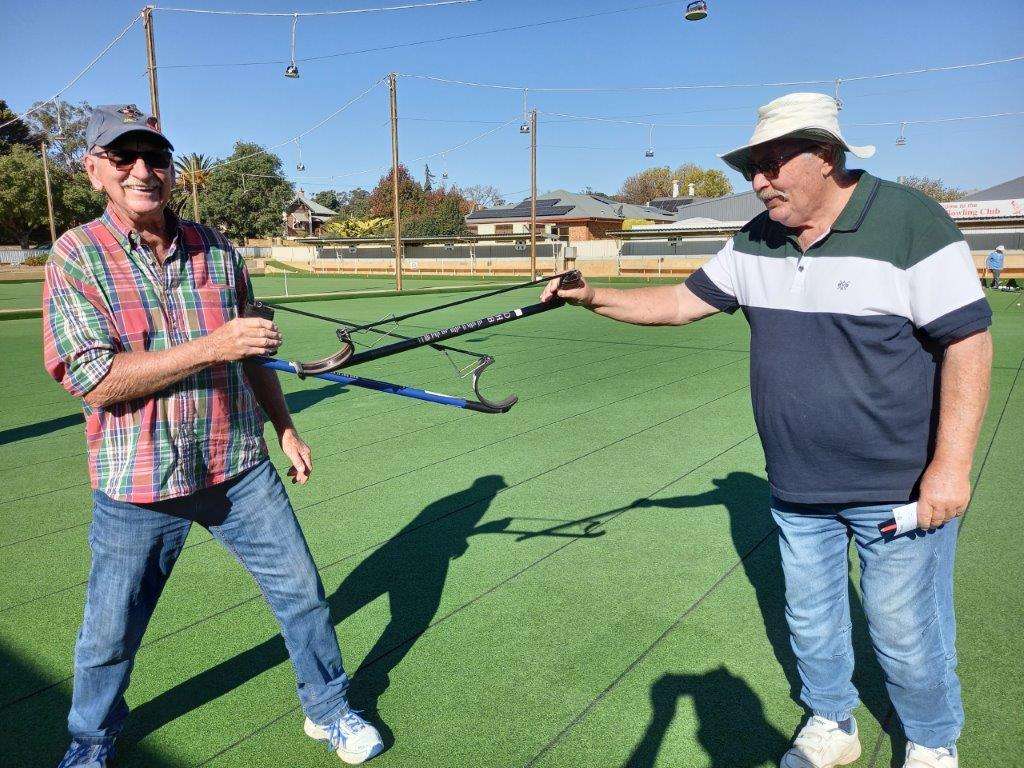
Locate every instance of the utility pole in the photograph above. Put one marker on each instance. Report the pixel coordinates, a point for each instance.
(195, 193)
(49, 194)
(154, 90)
(533, 194)
(393, 83)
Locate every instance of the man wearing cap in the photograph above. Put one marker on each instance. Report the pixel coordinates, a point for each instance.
(869, 373)
(142, 320)
(994, 263)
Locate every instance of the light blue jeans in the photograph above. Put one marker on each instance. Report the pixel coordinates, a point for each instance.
(134, 548)
(907, 592)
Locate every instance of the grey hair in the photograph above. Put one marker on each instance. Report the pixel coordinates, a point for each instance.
(836, 155)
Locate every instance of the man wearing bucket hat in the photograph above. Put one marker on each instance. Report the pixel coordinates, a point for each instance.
(870, 361)
(994, 264)
(141, 319)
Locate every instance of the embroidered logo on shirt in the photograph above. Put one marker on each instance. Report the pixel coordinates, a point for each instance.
(842, 285)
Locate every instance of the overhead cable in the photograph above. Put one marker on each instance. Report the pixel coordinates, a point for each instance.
(79, 76)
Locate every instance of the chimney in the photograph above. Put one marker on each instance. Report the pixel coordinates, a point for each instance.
(689, 190)
(675, 187)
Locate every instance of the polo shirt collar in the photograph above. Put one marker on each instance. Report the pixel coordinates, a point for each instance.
(857, 207)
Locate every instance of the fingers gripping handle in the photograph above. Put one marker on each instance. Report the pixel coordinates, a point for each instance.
(571, 279)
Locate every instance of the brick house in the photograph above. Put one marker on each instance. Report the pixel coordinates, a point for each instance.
(576, 216)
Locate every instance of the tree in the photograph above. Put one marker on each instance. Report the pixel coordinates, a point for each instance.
(62, 125)
(23, 214)
(328, 198)
(18, 132)
(483, 196)
(377, 227)
(641, 188)
(412, 200)
(190, 168)
(707, 182)
(246, 194)
(934, 188)
(24, 217)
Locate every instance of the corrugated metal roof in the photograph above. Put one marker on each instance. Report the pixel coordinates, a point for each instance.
(1008, 190)
(740, 207)
(316, 208)
(572, 205)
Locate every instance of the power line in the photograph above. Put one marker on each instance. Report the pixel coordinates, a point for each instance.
(710, 86)
(644, 124)
(444, 39)
(316, 13)
(79, 76)
(306, 132)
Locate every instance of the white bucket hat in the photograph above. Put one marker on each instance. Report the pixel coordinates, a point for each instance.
(798, 116)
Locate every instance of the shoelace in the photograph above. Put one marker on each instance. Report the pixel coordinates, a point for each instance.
(92, 752)
(347, 725)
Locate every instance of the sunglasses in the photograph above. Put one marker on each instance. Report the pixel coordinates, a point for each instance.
(125, 159)
(770, 166)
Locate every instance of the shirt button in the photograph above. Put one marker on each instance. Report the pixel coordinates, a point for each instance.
(800, 269)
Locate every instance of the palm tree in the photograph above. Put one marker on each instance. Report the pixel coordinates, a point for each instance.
(193, 172)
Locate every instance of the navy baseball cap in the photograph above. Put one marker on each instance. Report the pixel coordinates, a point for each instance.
(109, 122)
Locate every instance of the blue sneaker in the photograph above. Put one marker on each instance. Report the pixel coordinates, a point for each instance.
(81, 755)
(354, 739)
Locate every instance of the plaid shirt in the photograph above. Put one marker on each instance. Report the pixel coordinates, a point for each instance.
(105, 293)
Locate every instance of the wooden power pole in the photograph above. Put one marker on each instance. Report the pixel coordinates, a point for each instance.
(533, 194)
(195, 192)
(154, 90)
(49, 192)
(393, 82)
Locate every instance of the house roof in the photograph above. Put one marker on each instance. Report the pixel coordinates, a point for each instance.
(1008, 190)
(673, 204)
(728, 211)
(315, 208)
(562, 204)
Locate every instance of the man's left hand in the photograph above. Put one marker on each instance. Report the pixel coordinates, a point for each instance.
(945, 493)
(298, 452)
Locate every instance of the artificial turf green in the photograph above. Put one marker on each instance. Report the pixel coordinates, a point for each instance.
(653, 638)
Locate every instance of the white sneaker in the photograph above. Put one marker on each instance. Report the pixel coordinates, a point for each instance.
(821, 743)
(354, 739)
(926, 757)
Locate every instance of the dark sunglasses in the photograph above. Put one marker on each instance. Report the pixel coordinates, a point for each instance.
(124, 159)
(770, 166)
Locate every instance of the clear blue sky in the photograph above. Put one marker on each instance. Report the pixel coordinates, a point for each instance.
(206, 109)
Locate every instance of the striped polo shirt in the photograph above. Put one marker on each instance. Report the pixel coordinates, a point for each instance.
(847, 339)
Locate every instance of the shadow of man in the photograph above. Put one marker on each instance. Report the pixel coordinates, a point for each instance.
(746, 497)
(732, 728)
(410, 568)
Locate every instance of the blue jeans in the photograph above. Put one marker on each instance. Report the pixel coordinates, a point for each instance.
(134, 548)
(907, 591)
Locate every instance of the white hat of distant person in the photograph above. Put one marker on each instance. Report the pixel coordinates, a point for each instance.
(1001, 248)
(813, 116)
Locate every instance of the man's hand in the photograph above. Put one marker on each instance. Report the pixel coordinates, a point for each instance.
(243, 337)
(581, 294)
(298, 452)
(945, 493)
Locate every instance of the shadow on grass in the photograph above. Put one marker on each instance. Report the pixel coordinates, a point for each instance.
(746, 497)
(411, 569)
(733, 730)
(297, 401)
(307, 397)
(40, 428)
(36, 734)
